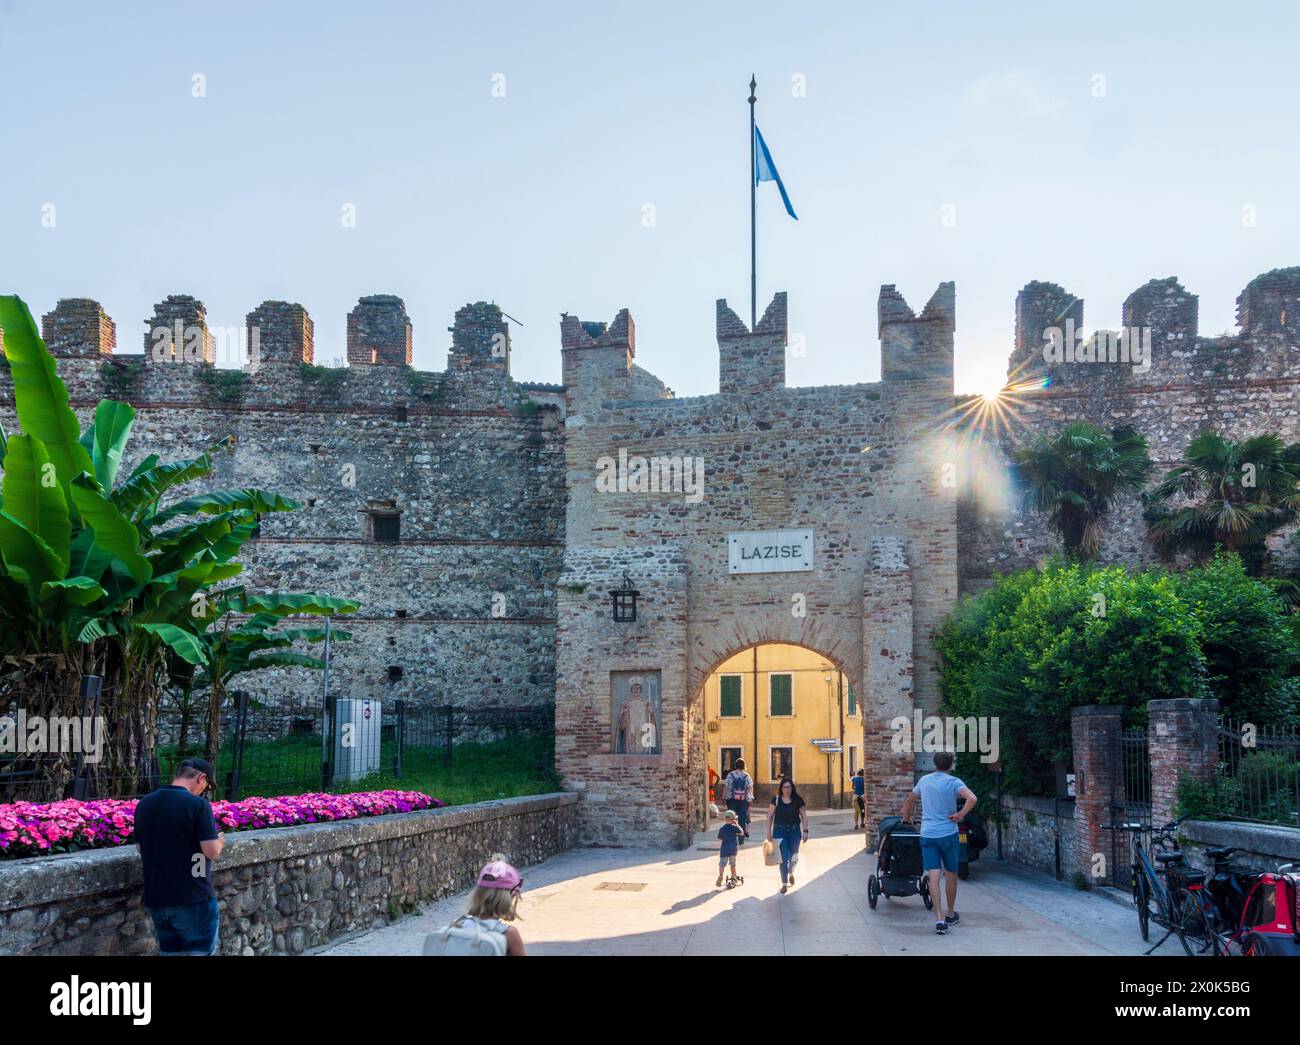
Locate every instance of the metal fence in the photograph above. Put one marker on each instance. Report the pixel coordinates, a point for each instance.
(1258, 774)
(267, 751)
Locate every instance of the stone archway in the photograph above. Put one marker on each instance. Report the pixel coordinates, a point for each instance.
(738, 699)
(862, 624)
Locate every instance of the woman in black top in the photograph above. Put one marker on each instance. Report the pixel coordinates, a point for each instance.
(787, 820)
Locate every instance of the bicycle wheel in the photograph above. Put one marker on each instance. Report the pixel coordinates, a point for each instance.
(1142, 901)
(1193, 926)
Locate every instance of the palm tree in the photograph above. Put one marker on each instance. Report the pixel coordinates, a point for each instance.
(1074, 477)
(1225, 494)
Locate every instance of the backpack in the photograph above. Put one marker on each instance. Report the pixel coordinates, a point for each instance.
(738, 784)
(467, 937)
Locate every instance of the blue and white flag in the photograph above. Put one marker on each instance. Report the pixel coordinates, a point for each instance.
(765, 170)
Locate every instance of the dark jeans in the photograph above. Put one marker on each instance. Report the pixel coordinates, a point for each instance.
(741, 807)
(190, 929)
(789, 837)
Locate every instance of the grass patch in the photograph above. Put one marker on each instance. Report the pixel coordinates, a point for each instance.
(507, 768)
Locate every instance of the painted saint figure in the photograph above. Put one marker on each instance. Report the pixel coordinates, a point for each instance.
(637, 729)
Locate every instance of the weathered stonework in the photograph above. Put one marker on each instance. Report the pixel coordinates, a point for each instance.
(906, 486)
(858, 464)
(1236, 384)
(474, 464)
(285, 889)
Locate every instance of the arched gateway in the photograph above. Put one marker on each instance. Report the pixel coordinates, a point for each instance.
(819, 517)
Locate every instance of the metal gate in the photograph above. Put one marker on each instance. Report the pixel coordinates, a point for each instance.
(1130, 801)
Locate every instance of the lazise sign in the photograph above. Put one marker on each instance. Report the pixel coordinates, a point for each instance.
(770, 551)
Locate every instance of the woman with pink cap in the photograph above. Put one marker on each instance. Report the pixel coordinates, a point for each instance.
(494, 901)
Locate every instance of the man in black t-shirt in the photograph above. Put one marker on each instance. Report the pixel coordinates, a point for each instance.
(178, 840)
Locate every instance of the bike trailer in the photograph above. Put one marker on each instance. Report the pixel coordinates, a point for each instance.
(1272, 916)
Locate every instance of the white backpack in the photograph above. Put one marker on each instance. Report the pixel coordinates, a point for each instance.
(467, 936)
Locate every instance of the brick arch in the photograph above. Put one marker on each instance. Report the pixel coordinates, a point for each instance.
(836, 643)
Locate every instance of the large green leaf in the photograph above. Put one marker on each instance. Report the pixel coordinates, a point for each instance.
(283, 660)
(77, 591)
(113, 531)
(284, 604)
(33, 495)
(106, 439)
(186, 645)
(146, 484)
(40, 398)
(27, 558)
(257, 501)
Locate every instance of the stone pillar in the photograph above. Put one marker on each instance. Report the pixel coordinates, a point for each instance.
(178, 332)
(480, 339)
(280, 332)
(752, 361)
(379, 332)
(1095, 730)
(888, 673)
(78, 327)
(1183, 741)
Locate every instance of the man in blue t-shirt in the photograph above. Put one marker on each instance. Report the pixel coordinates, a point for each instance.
(859, 782)
(938, 792)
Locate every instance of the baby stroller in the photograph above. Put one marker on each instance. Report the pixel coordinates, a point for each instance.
(898, 863)
(972, 839)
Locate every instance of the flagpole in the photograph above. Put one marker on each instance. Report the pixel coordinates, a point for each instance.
(753, 224)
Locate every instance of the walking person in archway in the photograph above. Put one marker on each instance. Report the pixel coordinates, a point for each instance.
(859, 781)
(740, 792)
(787, 823)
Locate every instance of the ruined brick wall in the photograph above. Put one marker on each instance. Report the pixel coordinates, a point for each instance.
(854, 463)
(1237, 384)
(465, 602)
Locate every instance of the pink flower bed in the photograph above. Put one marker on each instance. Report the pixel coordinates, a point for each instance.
(36, 828)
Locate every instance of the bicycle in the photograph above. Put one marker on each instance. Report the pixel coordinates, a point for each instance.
(1234, 900)
(1165, 895)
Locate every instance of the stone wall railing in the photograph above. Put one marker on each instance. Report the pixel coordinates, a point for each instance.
(283, 890)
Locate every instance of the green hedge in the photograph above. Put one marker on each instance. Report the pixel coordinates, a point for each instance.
(1040, 642)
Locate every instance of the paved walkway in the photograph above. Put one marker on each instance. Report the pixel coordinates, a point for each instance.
(672, 907)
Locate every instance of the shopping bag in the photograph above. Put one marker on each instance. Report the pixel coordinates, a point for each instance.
(771, 853)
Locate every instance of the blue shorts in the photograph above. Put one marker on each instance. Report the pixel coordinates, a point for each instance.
(189, 929)
(939, 853)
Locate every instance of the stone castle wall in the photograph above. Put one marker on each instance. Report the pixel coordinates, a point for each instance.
(1236, 384)
(859, 464)
(464, 603)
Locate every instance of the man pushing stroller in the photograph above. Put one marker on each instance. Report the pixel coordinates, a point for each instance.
(938, 792)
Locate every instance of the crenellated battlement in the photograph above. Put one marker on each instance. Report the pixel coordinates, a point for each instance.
(269, 361)
(1159, 340)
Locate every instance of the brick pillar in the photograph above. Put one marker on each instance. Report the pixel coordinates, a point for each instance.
(1095, 730)
(887, 694)
(1183, 741)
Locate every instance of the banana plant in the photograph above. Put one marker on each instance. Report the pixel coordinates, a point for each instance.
(237, 648)
(98, 575)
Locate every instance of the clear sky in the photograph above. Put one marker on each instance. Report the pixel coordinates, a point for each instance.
(962, 141)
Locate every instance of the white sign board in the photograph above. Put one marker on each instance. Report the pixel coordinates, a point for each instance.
(770, 551)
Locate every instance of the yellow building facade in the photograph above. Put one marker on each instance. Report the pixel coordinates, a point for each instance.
(801, 697)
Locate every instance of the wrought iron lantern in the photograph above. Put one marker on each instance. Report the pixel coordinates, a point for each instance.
(624, 599)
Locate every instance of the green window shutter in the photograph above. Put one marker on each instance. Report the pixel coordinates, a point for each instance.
(853, 701)
(782, 701)
(731, 696)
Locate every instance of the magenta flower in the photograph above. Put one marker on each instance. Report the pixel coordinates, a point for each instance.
(34, 828)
